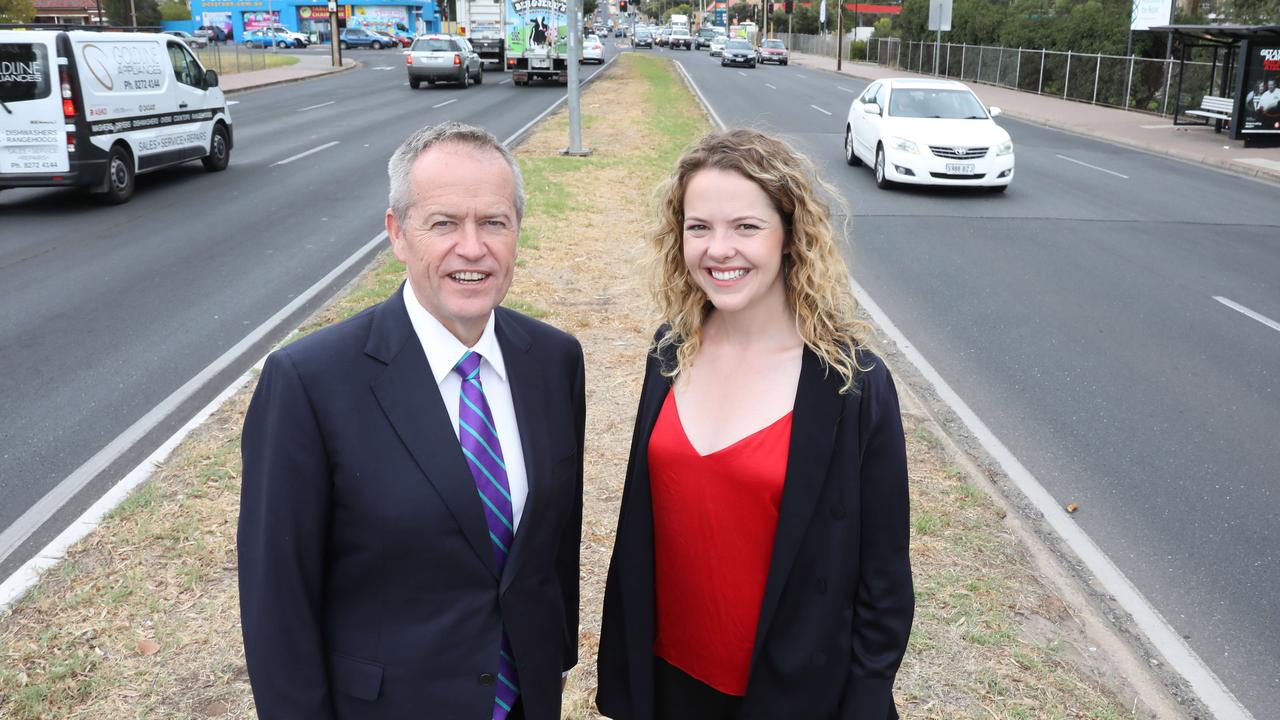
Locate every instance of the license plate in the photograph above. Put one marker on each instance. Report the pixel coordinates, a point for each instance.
(539, 63)
(957, 169)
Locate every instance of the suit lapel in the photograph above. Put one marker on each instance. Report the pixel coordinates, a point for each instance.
(813, 431)
(528, 395)
(409, 396)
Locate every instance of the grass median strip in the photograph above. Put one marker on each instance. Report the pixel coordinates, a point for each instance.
(142, 620)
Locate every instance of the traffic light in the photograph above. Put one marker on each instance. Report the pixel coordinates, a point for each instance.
(622, 6)
(789, 4)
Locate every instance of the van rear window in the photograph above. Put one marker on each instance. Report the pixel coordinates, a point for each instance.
(24, 72)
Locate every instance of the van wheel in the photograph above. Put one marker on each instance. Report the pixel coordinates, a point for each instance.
(120, 177)
(219, 151)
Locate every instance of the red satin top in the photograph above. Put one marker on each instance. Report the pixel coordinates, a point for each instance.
(714, 518)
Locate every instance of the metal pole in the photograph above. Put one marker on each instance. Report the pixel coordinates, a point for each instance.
(575, 110)
(999, 64)
(1040, 87)
(898, 62)
(937, 42)
(948, 73)
(964, 50)
(1128, 84)
(1097, 72)
(1017, 72)
(1067, 82)
(978, 77)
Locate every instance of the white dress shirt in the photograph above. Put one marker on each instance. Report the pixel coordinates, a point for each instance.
(443, 352)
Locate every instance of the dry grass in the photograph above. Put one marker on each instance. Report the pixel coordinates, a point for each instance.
(142, 621)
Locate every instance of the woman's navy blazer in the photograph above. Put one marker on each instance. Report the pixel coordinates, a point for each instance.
(838, 601)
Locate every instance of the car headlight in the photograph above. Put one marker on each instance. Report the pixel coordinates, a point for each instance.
(1005, 148)
(903, 144)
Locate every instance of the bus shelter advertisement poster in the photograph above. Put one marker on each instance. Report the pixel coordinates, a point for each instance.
(1262, 90)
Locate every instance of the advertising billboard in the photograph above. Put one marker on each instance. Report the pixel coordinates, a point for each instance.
(1261, 90)
(1150, 13)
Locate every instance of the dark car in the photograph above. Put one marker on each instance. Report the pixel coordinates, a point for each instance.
(738, 52)
(704, 38)
(642, 39)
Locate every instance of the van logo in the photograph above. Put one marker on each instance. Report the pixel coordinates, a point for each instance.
(95, 58)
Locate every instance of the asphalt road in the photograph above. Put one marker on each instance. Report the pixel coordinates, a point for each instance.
(109, 310)
(1076, 315)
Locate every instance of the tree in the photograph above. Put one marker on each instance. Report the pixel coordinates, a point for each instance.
(741, 11)
(118, 12)
(589, 7)
(17, 11)
(684, 10)
(1252, 12)
(174, 10)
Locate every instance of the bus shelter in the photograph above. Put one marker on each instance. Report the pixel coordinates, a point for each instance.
(1246, 72)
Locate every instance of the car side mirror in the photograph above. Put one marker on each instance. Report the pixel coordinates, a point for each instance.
(871, 109)
(995, 111)
(211, 78)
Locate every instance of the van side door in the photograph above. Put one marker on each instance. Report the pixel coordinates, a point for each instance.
(187, 134)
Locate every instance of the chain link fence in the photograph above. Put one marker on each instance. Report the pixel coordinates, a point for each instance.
(233, 58)
(1131, 83)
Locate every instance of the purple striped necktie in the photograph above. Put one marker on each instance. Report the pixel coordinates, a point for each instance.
(479, 440)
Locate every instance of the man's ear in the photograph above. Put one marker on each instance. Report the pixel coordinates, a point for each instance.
(395, 232)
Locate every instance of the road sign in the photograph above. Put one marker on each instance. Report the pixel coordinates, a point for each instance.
(940, 15)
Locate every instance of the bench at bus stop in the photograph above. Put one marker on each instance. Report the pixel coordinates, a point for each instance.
(1214, 109)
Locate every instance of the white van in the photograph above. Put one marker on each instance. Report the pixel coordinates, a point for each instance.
(94, 109)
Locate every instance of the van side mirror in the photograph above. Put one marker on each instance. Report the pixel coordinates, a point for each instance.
(210, 78)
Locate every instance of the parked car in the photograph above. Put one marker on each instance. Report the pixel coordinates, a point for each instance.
(360, 37)
(212, 33)
(738, 52)
(928, 132)
(642, 39)
(773, 51)
(299, 40)
(717, 45)
(266, 38)
(592, 50)
(447, 58)
(194, 41)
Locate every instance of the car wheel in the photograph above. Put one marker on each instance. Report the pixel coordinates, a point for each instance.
(415, 83)
(282, 44)
(343, 44)
(784, 62)
(465, 82)
(376, 45)
(219, 151)
(480, 75)
(120, 176)
(881, 181)
(248, 43)
(850, 156)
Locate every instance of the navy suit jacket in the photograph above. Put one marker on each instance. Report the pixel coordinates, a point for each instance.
(368, 586)
(838, 599)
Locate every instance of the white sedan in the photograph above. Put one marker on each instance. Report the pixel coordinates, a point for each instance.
(717, 45)
(928, 132)
(592, 50)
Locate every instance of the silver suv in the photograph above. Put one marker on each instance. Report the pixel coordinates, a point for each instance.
(448, 58)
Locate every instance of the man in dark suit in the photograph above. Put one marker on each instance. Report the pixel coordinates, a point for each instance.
(412, 503)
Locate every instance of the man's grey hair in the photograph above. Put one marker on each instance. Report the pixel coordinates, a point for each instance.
(402, 198)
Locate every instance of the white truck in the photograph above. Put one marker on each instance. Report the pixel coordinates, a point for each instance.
(538, 41)
(680, 37)
(485, 24)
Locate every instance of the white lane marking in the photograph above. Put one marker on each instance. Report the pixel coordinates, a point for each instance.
(382, 67)
(1207, 686)
(841, 87)
(313, 107)
(1250, 313)
(742, 73)
(233, 102)
(446, 102)
(802, 77)
(815, 107)
(301, 155)
(1094, 167)
(504, 82)
(45, 507)
(771, 87)
(702, 98)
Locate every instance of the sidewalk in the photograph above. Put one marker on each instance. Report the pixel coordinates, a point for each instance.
(308, 66)
(1152, 133)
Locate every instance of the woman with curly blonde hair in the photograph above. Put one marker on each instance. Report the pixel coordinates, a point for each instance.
(760, 568)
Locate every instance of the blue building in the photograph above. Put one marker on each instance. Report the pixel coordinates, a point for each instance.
(235, 17)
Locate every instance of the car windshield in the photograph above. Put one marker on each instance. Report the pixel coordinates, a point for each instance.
(642, 34)
(738, 45)
(774, 44)
(706, 32)
(433, 45)
(934, 103)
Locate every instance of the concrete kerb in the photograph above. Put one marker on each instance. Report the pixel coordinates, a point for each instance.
(297, 78)
(1229, 166)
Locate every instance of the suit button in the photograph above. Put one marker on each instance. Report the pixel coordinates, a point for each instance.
(486, 678)
(822, 585)
(837, 511)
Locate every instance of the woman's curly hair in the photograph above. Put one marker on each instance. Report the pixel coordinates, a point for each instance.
(814, 274)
